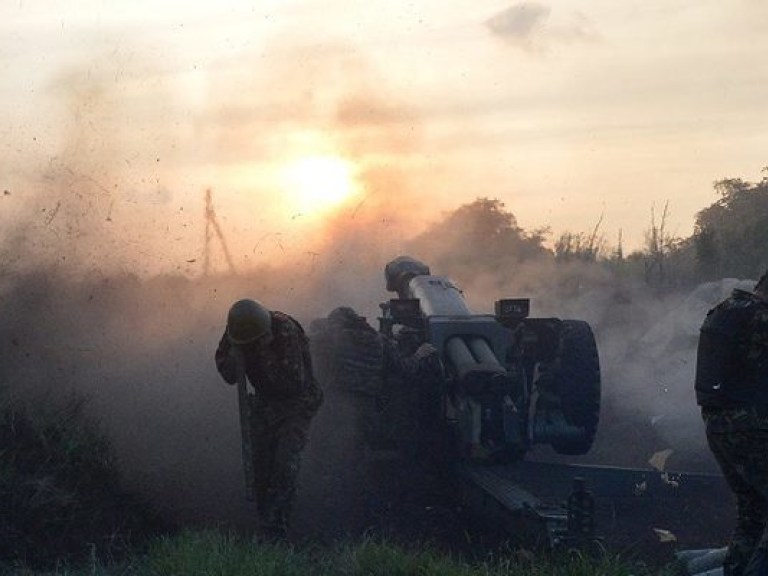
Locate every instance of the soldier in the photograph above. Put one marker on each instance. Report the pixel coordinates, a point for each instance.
(732, 390)
(273, 351)
(381, 381)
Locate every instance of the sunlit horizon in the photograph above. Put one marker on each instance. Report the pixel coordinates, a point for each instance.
(571, 113)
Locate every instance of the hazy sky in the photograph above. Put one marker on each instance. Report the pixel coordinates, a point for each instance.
(564, 110)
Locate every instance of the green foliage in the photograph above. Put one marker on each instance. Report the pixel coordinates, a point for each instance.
(707, 254)
(479, 237)
(210, 553)
(214, 553)
(59, 489)
(730, 239)
(371, 558)
(731, 235)
(580, 247)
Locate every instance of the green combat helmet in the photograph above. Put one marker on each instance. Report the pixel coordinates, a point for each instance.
(247, 322)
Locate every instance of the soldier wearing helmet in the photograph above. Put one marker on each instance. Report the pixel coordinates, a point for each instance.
(732, 390)
(271, 349)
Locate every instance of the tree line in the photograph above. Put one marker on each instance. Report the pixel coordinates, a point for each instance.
(730, 239)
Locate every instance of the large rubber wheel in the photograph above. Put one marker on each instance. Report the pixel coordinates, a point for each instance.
(578, 384)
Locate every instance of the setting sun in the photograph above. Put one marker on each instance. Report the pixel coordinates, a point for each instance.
(318, 183)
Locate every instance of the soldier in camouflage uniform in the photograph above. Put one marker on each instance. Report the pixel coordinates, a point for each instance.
(277, 361)
(416, 383)
(384, 383)
(732, 390)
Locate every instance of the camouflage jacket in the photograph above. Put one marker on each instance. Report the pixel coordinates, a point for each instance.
(349, 352)
(727, 420)
(732, 357)
(280, 370)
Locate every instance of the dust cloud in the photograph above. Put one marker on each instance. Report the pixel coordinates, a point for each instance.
(103, 296)
(103, 287)
(141, 351)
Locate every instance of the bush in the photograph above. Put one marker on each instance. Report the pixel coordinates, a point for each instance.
(60, 497)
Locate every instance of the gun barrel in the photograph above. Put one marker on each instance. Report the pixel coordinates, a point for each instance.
(482, 351)
(466, 340)
(473, 371)
(438, 296)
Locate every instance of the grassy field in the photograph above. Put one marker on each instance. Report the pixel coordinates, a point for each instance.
(63, 512)
(214, 553)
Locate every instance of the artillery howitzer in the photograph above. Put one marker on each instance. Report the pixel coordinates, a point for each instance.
(486, 386)
(479, 391)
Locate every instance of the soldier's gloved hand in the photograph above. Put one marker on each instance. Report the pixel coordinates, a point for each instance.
(427, 359)
(230, 365)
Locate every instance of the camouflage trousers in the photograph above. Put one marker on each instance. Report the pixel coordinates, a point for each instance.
(279, 434)
(742, 453)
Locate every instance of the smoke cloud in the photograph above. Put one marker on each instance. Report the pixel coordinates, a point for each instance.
(102, 293)
(102, 290)
(140, 349)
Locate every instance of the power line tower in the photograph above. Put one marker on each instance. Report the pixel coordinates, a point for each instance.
(212, 227)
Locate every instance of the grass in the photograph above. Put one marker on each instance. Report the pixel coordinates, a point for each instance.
(62, 513)
(210, 553)
(216, 553)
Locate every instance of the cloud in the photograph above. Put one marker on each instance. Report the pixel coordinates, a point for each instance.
(528, 25)
(519, 22)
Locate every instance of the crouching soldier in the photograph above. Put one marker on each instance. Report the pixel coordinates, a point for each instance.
(272, 351)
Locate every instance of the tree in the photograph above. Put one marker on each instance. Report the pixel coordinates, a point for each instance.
(659, 245)
(735, 229)
(477, 237)
(580, 246)
(707, 254)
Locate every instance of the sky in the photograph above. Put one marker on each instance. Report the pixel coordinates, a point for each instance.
(116, 117)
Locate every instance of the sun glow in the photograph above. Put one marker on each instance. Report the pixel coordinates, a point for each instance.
(317, 184)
